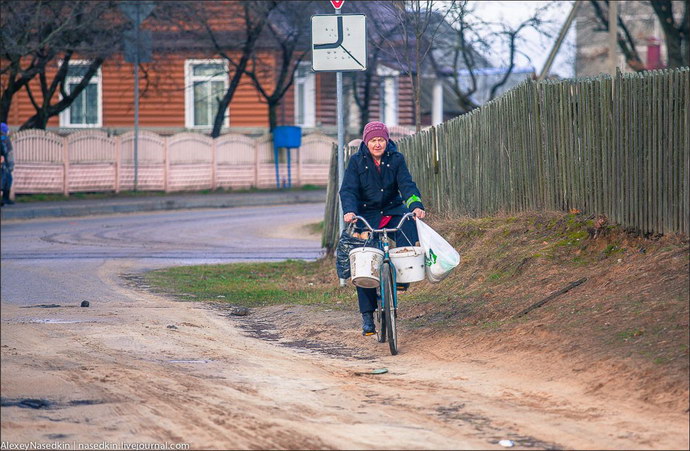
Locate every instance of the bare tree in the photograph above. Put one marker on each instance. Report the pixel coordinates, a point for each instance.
(286, 30)
(419, 22)
(675, 23)
(235, 43)
(473, 41)
(382, 30)
(38, 34)
(676, 31)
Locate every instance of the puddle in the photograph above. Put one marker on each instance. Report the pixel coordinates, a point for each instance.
(456, 412)
(266, 330)
(36, 403)
(189, 361)
(330, 349)
(59, 321)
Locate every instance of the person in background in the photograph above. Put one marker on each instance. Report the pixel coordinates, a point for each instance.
(378, 186)
(7, 163)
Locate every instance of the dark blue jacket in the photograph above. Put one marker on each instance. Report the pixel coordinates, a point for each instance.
(371, 194)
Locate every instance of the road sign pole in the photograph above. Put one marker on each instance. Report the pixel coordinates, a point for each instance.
(137, 12)
(341, 145)
(136, 105)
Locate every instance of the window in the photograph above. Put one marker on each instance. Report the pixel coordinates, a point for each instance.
(388, 95)
(86, 109)
(206, 82)
(305, 112)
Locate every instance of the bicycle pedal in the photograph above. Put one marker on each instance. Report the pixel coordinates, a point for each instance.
(368, 334)
(402, 287)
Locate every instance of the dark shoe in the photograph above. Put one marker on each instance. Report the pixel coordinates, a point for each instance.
(368, 327)
(8, 202)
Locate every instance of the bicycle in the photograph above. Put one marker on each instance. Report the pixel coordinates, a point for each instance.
(387, 301)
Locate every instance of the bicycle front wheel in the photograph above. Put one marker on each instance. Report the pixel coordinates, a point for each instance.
(380, 320)
(389, 307)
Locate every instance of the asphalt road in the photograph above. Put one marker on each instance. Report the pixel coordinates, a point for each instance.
(66, 260)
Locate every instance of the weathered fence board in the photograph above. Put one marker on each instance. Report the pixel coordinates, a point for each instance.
(618, 148)
(614, 147)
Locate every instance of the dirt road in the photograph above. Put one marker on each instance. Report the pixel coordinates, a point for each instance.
(145, 369)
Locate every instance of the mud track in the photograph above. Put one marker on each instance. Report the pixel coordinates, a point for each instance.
(158, 370)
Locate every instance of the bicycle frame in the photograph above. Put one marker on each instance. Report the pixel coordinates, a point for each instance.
(385, 242)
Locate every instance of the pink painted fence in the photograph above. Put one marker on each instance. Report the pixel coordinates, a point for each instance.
(93, 161)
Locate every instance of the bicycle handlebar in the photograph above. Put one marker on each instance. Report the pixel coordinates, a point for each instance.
(386, 230)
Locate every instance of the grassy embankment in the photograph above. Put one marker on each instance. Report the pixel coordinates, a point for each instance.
(633, 304)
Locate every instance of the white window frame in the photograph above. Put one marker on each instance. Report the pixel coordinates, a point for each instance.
(388, 100)
(189, 80)
(388, 95)
(308, 84)
(97, 79)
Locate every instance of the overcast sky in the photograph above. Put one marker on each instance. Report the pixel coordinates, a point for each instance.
(536, 47)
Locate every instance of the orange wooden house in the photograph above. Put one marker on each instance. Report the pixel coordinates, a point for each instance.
(179, 88)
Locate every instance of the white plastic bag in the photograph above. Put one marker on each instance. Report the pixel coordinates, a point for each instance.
(440, 257)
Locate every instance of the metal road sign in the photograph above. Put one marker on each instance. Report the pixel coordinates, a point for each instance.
(137, 11)
(339, 42)
(137, 46)
(337, 4)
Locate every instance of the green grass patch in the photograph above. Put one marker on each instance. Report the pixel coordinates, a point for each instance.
(54, 197)
(315, 228)
(250, 284)
(47, 197)
(612, 249)
(630, 333)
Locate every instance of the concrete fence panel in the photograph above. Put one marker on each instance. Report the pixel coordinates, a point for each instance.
(314, 154)
(93, 161)
(93, 164)
(190, 162)
(40, 162)
(151, 161)
(236, 162)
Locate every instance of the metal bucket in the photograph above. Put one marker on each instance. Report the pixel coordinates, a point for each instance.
(409, 263)
(365, 266)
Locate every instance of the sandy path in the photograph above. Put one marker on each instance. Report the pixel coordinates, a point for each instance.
(121, 375)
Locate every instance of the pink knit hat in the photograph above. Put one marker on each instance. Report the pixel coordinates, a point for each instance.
(375, 129)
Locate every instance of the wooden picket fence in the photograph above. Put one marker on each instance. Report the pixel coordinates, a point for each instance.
(94, 161)
(617, 147)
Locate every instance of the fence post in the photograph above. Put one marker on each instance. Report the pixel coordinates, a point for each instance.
(214, 164)
(65, 165)
(299, 167)
(256, 163)
(166, 165)
(118, 163)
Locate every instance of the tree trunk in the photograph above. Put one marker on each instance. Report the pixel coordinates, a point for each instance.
(38, 120)
(672, 35)
(253, 32)
(365, 115)
(273, 115)
(417, 101)
(5, 104)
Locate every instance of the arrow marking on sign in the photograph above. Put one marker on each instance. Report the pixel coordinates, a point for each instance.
(352, 56)
(336, 44)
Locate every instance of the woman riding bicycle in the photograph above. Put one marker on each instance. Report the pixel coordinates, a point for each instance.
(378, 186)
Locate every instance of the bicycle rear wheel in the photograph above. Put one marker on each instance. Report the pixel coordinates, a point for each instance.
(389, 307)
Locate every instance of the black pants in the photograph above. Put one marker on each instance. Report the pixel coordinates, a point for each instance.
(367, 296)
(6, 182)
